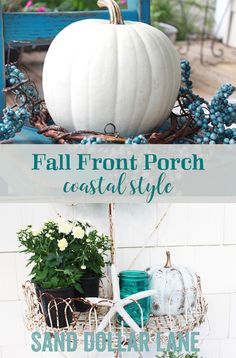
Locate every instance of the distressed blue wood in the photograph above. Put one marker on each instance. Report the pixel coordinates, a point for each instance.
(21, 29)
(29, 29)
(143, 9)
(2, 62)
(30, 136)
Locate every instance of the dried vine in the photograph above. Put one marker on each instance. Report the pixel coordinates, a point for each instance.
(41, 120)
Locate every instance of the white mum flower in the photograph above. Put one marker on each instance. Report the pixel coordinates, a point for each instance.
(64, 226)
(36, 231)
(62, 244)
(24, 228)
(78, 232)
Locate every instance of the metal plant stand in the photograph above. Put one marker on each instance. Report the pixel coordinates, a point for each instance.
(90, 320)
(38, 320)
(204, 35)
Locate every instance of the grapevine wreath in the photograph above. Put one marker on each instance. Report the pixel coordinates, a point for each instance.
(192, 121)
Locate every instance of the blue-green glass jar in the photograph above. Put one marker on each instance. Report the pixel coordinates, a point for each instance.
(133, 281)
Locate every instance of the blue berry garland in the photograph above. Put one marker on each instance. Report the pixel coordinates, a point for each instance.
(140, 139)
(14, 118)
(93, 140)
(211, 123)
(215, 117)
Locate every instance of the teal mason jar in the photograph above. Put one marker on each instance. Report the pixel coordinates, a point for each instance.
(132, 282)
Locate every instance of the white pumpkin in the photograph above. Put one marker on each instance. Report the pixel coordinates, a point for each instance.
(176, 289)
(96, 73)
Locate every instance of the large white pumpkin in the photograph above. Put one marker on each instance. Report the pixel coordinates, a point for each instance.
(96, 72)
(176, 289)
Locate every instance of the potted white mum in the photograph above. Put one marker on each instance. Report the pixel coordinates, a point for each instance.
(67, 259)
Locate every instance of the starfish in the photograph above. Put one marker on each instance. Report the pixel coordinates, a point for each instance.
(117, 304)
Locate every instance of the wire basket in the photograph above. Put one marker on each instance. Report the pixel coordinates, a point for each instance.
(37, 320)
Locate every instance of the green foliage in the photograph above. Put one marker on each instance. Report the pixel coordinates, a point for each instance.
(51, 5)
(177, 355)
(12, 5)
(168, 11)
(187, 15)
(62, 252)
(73, 5)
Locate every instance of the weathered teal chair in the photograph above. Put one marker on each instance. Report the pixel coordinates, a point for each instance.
(30, 29)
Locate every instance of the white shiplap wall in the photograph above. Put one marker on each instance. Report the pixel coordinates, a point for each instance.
(203, 236)
(225, 21)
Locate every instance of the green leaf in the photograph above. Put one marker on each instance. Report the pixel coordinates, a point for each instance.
(54, 282)
(68, 272)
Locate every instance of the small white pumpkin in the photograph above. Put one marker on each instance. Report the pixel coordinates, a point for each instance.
(176, 289)
(125, 73)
